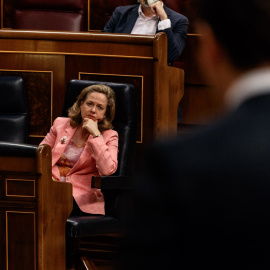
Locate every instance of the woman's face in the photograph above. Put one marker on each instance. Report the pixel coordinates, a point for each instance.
(94, 106)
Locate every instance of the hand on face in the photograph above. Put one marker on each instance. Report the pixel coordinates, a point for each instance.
(157, 9)
(91, 126)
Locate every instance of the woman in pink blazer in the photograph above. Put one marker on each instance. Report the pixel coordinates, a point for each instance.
(84, 145)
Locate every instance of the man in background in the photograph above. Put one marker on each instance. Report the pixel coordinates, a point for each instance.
(148, 19)
(203, 201)
(143, 19)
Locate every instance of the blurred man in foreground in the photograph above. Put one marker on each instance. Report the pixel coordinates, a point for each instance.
(203, 201)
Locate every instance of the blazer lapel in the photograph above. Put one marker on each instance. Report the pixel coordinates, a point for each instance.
(61, 145)
(85, 156)
(131, 20)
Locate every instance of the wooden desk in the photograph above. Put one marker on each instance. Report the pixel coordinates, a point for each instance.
(33, 212)
(48, 60)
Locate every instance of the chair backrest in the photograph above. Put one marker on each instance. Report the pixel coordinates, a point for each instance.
(62, 15)
(125, 118)
(13, 110)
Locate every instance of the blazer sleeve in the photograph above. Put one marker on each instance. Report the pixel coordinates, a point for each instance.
(111, 24)
(105, 150)
(176, 36)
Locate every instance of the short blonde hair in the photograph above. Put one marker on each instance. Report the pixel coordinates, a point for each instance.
(74, 112)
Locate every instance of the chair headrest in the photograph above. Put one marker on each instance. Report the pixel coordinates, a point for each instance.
(12, 95)
(124, 93)
(19, 150)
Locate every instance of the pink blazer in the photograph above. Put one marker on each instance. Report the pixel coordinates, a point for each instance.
(99, 157)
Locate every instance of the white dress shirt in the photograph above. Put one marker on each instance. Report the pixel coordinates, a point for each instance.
(148, 26)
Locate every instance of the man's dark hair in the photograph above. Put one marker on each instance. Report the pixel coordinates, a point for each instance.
(241, 27)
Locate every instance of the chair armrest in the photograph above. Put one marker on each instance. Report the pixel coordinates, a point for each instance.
(114, 182)
(118, 194)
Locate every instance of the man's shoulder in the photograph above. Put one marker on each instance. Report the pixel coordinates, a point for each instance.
(125, 9)
(175, 14)
(199, 142)
(61, 121)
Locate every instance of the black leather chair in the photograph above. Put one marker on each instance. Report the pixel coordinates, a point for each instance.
(116, 188)
(13, 110)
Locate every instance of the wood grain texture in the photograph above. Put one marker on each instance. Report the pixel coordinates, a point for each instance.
(33, 213)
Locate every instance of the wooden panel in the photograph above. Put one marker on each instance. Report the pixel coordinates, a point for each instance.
(32, 213)
(21, 240)
(6, 13)
(18, 188)
(200, 103)
(2, 239)
(17, 164)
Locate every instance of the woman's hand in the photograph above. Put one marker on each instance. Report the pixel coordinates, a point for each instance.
(91, 126)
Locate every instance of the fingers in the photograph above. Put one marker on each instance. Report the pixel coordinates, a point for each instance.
(158, 10)
(87, 122)
(86, 119)
(153, 9)
(90, 125)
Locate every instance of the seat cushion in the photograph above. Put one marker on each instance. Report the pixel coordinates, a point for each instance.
(82, 226)
(20, 150)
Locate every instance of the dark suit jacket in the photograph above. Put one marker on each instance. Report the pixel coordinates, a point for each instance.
(124, 18)
(204, 201)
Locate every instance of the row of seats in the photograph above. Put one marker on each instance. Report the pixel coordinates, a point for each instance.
(13, 138)
(72, 15)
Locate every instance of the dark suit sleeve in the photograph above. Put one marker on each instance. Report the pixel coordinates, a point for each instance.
(176, 38)
(111, 24)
